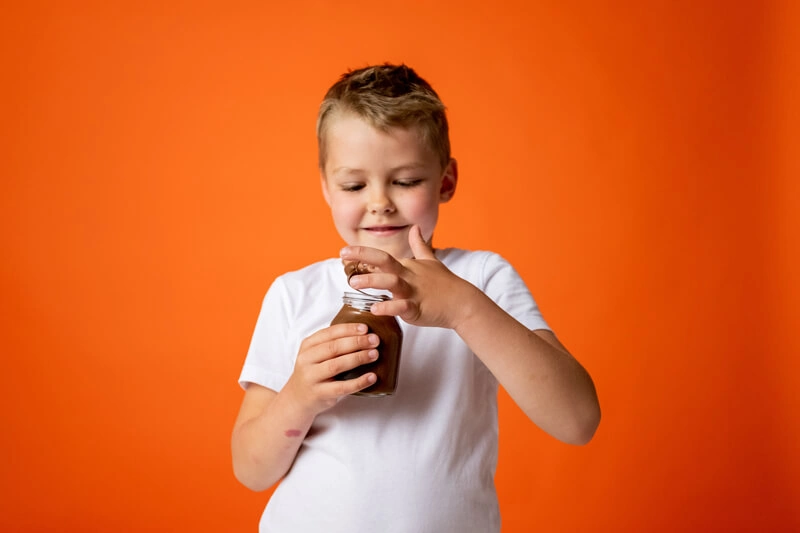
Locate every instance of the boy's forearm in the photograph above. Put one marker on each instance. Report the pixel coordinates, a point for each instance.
(265, 445)
(547, 383)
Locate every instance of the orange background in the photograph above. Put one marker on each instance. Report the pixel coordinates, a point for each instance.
(638, 165)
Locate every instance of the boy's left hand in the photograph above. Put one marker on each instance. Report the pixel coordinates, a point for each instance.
(424, 291)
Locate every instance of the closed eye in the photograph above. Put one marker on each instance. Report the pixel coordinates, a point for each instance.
(352, 187)
(408, 183)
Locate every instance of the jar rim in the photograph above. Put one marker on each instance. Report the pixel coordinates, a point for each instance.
(363, 296)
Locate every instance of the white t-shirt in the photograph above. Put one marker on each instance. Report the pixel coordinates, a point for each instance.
(421, 460)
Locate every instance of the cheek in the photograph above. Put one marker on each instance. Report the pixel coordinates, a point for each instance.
(344, 211)
(425, 212)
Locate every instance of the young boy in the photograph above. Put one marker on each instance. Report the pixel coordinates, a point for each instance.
(423, 459)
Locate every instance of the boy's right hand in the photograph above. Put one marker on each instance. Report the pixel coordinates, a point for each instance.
(324, 355)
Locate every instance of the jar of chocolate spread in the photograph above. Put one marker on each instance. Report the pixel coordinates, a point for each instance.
(356, 309)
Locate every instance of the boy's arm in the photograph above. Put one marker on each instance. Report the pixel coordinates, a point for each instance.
(271, 425)
(266, 437)
(541, 376)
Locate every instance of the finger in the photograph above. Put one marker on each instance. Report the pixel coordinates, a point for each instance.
(332, 333)
(419, 247)
(333, 367)
(404, 309)
(369, 257)
(349, 386)
(381, 281)
(352, 268)
(342, 346)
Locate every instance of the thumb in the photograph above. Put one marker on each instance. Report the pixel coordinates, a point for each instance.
(418, 245)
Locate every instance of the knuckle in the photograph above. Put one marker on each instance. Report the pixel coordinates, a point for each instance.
(342, 388)
(325, 399)
(332, 349)
(334, 366)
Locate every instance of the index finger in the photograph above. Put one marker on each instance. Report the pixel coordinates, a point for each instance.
(370, 256)
(337, 331)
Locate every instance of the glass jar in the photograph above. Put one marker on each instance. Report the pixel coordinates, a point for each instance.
(356, 309)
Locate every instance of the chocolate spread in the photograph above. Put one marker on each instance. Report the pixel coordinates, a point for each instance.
(356, 309)
(352, 268)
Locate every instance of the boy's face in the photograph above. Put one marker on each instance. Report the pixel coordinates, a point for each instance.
(378, 184)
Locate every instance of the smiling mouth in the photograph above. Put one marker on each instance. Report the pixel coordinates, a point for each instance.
(384, 230)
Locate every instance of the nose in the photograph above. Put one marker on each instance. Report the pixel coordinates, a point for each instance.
(380, 203)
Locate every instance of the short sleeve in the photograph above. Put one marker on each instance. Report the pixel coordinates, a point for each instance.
(270, 359)
(501, 282)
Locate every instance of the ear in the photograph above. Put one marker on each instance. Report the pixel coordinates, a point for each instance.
(324, 182)
(449, 181)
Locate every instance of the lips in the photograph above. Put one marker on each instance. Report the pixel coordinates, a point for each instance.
(384, 230)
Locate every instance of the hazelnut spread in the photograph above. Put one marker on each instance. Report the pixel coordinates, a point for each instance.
(353, 268)
(356, 309)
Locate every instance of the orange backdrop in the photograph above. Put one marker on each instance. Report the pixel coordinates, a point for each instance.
(638, 165)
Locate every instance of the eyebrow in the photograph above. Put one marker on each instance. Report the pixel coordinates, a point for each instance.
(346, 170)
(360, 172)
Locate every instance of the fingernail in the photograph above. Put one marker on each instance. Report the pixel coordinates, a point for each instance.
(373, 354)
(362, 328)
(373, 339)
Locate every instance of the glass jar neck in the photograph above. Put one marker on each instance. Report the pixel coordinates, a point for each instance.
(361, 301)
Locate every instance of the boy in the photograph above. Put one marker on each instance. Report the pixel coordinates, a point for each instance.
(422, 460)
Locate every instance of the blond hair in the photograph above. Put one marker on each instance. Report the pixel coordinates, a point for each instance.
(387, 96)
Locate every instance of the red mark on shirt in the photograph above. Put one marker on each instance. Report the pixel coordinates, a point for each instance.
(292, 432)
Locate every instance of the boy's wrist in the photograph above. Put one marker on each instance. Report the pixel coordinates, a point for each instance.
(467, 306)
(295, 408)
